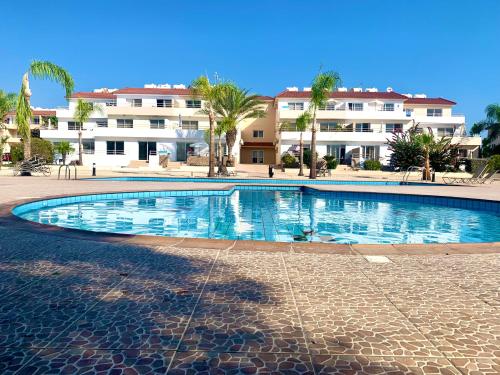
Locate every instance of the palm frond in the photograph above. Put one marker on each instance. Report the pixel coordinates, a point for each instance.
(84, 110)
(8, 102)
(303, 121)
(23, 113)
(323, 84)
(53, 72)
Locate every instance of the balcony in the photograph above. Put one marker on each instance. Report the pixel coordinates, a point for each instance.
(467, 141)
(344, 136)
(153, 111)
(348, 115)
(452, 120)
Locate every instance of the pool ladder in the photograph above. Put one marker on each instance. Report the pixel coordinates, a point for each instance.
(408, 172)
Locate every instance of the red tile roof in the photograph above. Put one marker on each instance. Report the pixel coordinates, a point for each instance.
(438, 101)
(265, 98)
(37, 112)
(93, 95)
(153, 91)
(345, 94)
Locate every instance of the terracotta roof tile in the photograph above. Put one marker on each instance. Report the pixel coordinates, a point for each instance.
(345, 94)
(93, 95)
(153, 91)
(439, 101)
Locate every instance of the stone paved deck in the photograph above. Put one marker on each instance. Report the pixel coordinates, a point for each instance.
(76, 304)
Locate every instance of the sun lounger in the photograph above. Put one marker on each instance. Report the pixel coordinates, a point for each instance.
(466, 180)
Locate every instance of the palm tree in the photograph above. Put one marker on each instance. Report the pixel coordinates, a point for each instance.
(302, 123)
(490, 124)
(323, 84)
(234, 105)
(202, 87)
(7, 104)
(426, 141)
(220, 129)
(82, 114)
(43, 70)
(64, 148)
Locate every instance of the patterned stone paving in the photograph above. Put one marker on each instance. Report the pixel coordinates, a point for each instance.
(75, 306)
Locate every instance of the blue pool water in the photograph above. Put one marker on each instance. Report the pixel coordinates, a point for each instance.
(276, 214)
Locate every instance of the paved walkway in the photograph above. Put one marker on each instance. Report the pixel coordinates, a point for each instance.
(73, 305)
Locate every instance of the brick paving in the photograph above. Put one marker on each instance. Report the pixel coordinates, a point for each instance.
(81, 304)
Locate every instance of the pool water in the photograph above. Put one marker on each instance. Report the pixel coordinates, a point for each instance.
(289, 215)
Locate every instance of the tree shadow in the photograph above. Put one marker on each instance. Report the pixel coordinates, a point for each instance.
(75, 306)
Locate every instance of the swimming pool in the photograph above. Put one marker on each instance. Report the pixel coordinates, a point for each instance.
(276, 213)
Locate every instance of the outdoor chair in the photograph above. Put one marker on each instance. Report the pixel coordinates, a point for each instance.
(321, 168)
(478, 174)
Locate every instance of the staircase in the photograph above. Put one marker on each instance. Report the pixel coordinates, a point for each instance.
(137, 164)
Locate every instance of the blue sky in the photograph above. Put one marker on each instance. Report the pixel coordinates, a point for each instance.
(441, 48)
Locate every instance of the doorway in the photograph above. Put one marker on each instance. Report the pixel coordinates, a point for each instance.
(146, 149)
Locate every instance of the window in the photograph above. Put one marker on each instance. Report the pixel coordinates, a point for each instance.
(115, 148)
(258, 133)
(409, 112)
(363, 128)
(434, 112)
(125, 123)
(164, 103)
(111, 103)
(295, 106)
(370, 152)
(289, 127)
(355, 106)
(35, 120)
(393, 128)
(88, 147)
(193, 103)
(329, 127)
(72, 125)
(157, 124)
(7, 120)
(102, 123)
(258, 157)
(135, 102)
(336, 150)
(388, 107)
(330, 106)
(189, 125)
(445, 132)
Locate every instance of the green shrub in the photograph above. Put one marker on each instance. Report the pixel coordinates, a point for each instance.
(307, 157)
(40, 147)
(372, 165)
(494, 163)
(289, 161)
(43, 148)
(331, 162)
(16, 152)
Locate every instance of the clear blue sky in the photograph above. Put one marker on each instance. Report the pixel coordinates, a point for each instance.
(441, 48)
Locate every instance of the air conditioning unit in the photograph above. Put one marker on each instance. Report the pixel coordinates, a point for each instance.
(150, 86)
(164, 86)
(293, 88)
(420, 96)
(102, 89)
(408, 95)
(357, 89)
(371, 89)
(179, 86)
(342, 89)
(307, 89)
(389, 89)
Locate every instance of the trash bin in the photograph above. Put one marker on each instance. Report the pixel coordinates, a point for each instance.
(271, 171)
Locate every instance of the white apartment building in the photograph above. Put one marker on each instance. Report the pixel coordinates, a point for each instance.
(356, 123)
(133, 124)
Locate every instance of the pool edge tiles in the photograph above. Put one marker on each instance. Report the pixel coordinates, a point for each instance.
(268, 181)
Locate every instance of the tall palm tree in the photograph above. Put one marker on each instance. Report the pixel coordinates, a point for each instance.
(490, 124)
(427, 141)
(323, 84)
(302, 123)
(202, 87)
(234, 105)
(42, 70)
(83, 111)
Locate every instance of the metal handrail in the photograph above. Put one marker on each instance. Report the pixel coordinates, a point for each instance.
(414, 168)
